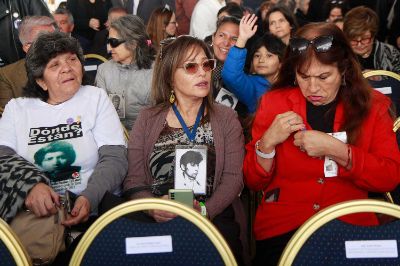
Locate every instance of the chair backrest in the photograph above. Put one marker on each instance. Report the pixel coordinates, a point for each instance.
(92, 61)
(386, 82)
(321, 240)
(126, 132)
(195, 240)
(11, 250)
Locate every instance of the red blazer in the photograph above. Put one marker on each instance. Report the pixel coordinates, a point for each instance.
(303, 189)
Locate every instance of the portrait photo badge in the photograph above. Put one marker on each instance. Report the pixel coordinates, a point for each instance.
(191, 168)
(226, 98)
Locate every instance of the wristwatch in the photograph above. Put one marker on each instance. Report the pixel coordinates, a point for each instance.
(262, 154)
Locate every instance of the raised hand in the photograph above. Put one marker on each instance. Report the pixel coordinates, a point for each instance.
(247, 29)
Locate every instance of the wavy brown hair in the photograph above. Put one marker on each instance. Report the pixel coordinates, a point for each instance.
(355, 94)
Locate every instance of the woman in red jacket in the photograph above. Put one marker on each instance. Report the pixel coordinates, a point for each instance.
(320, 136)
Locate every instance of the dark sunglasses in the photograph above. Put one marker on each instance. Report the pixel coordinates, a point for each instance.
(114, 42)
(192, 67)
(321, 44)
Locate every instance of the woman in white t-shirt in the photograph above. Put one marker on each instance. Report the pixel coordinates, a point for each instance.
(61, 136)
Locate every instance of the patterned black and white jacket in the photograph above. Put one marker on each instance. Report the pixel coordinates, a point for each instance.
(17, 178)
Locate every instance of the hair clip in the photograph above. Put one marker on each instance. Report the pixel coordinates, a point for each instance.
(163, 43)
(148, 42)
(166, 7)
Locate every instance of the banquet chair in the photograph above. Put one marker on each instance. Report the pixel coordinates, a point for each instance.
(92, 61)
(388, 83)
(188, 239)
(11, 250)
(325, 240)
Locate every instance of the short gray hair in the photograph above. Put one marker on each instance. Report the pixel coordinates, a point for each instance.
(26, 32)
(63, 11)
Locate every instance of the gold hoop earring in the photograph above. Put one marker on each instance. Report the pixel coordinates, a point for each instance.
(172, 97)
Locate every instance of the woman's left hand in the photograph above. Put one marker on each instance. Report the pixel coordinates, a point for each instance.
(80, 212)
(314, 143)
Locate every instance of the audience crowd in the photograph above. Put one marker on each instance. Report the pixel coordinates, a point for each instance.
(272, 92)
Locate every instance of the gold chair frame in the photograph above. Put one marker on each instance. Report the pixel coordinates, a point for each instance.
(14, 245)
(328, 214)
(370, 73)
(95, 56)
(126, 132)
(396, 125)
(151, 204)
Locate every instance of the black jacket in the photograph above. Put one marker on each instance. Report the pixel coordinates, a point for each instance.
(11, 13)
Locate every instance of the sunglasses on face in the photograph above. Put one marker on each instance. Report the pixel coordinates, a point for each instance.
(192, 67)
(320, 44)
(114, 42)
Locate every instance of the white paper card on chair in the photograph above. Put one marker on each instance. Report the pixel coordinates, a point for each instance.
(148, 244)
(384, 90)
(90, 68)
(371, 249)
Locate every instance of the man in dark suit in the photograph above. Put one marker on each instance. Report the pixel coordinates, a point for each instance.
(144, 8)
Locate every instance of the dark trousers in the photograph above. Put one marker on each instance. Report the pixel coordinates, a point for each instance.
(269, 251)
(230, 230)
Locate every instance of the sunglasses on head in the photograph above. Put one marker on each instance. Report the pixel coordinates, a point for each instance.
(320, 44)
(192, 67)
(114, 42)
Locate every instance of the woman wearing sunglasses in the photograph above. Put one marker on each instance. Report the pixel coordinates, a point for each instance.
(360, 27)
(321, 136)
(162, 24)
(128, 74)
(184, 114)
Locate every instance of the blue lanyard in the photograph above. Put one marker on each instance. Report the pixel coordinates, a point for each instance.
(190, 134)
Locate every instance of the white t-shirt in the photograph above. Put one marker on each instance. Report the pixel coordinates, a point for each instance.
(63, 140)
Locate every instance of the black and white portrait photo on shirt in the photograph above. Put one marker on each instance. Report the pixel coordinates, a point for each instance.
(191, 168)
(118, 101)
(226, 98)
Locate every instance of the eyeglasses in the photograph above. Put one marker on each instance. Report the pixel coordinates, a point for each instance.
(114, 42)
(339, 2)
(363, 41)
(192, 67)
(321, 44)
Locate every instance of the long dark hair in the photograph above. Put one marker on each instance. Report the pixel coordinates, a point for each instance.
(355, 93)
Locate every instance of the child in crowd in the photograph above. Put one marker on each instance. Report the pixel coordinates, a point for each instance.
(266, 55)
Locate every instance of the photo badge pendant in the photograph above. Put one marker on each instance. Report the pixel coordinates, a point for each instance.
(118, 101)
(191, 168)
(226, 98)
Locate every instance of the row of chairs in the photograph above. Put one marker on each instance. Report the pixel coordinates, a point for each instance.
(186, 240)
(322, 240)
